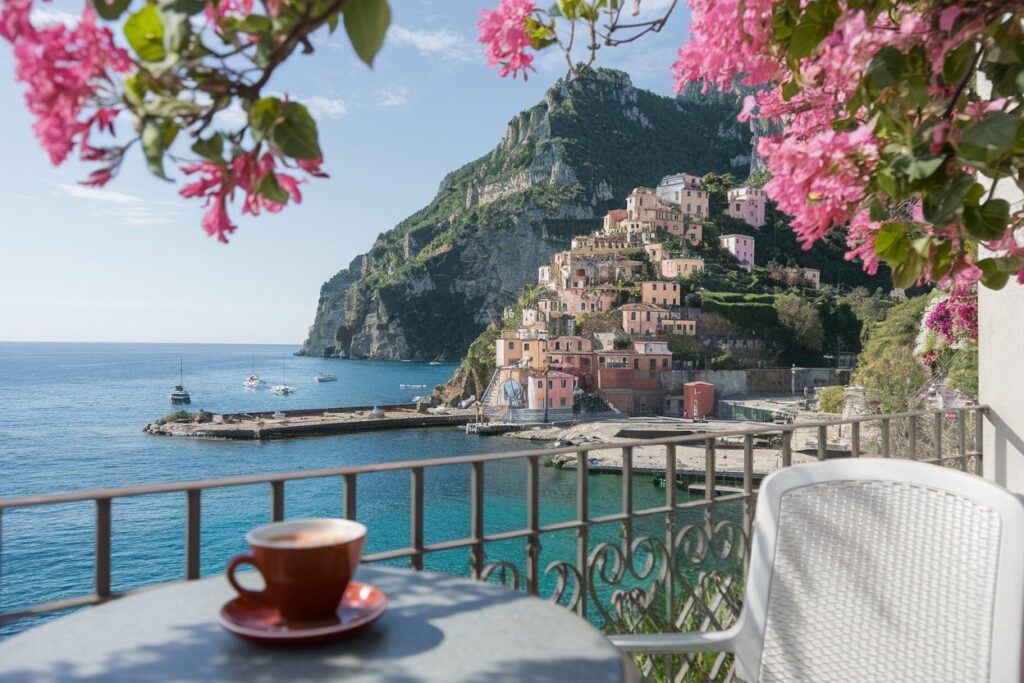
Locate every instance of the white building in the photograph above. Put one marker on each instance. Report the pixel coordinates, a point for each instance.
(740, 246)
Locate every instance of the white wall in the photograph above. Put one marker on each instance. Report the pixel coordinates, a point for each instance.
(1000, 370)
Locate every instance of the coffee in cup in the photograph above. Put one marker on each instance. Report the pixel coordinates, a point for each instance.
(306, 565)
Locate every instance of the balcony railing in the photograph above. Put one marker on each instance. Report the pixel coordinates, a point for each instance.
(677, 565)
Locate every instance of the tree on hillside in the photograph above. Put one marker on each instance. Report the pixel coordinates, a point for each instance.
(801, 320)
(717, 185)
(714, 325)
(887, 367)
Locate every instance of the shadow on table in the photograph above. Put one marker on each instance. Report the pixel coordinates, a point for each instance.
(204, 652)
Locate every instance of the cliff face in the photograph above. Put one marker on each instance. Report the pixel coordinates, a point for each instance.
(428, 287)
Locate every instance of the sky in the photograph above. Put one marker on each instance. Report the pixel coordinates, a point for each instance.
(130, 262)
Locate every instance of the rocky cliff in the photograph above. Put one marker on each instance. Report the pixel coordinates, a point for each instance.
(429, 286)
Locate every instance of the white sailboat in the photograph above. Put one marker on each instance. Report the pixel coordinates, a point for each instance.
(282, 388)
(179, 395)
(253, 380)
(324, 377)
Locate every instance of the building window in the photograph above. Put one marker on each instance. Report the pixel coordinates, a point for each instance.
(549, 402)
(526, 346)
(632, 315)
(511, 346)
(654, 364)
(664, 362)
(563, 383)
(551, 384)
(561, 401)
(540, 384)
(636, 363)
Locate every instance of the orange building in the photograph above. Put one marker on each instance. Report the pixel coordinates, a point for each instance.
(662, 293)
(551, 389)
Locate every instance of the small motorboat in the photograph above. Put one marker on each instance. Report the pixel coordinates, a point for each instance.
(179, 395)
(434, 362)
(412, 386)
(253, 381)
(282, 389)
(324, 377)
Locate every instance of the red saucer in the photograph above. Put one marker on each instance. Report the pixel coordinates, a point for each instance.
(261, 623)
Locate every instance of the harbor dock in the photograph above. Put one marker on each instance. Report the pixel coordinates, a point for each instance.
(306, 422)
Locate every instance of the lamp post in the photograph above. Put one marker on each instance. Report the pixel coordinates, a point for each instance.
(545, 395)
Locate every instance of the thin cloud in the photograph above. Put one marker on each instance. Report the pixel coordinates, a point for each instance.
(393, 97)
(125, 208)
(443, 43)
(324, 108)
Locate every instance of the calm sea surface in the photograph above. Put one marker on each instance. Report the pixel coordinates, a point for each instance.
(71, 418)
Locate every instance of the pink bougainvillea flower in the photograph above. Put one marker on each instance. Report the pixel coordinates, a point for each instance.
(503, 33)
(65, 70)
(215, 183)
(218, 9)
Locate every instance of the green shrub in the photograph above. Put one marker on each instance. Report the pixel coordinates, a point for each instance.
(832, 399)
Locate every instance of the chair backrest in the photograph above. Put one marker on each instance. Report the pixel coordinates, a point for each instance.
(876, 569)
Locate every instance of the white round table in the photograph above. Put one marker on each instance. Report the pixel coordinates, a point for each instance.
(437, 628)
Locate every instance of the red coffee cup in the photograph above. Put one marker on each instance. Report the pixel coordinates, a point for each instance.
(306, 565)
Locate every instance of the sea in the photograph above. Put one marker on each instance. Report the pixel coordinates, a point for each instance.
(71, 419)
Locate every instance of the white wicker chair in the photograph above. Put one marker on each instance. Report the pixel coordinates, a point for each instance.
(875, 569)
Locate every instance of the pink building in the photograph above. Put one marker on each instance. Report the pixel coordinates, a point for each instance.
(656, 251)
(590, 300)
(740, 246)
(681, 267)
(747, 204)
(612, 220)
(642, 319)
(663, 293)
(552, 389)
(812, 275)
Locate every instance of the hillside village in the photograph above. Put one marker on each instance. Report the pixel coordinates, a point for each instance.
(629, 276)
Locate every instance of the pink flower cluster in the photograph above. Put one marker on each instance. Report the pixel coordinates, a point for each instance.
(66, 70)
(503, 33)
(217, 184)
(820, 176)
(955, 318)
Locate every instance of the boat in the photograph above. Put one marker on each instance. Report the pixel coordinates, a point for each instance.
(282, 388)
(412, 386)
(324, 377)
(179, 395)
(434, 362)
(253, 380)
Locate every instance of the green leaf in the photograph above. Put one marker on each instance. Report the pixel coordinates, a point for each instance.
(990, 138)
(269, 188)
(1007, 79)
(332, 22)
(907, 272)
(992, 276)
(189, 7)
(943, 201)
(973, 196)
(111, 11)
(366, 22)
(886, 69)
(177, 30)
(891, 242)
(877, 211)
(812, 27)
(789, 88)
(942, 260)
(844, 125)
(154, 136)
(296, 133)
(253, 23)
(145, 33)
(262, 116)
(169, 107)
(988, 221)
(924, 167)
(957, 61)
(212, 148)
(135, 87)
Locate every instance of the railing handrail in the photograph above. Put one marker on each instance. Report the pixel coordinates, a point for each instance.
(269, 478)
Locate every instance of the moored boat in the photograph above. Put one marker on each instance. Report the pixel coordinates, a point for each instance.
(179, 395)
(324, 377)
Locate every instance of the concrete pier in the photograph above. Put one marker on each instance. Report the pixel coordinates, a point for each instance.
(308, 422)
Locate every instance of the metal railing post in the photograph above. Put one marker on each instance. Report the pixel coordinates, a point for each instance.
(627, 501)
(822, 442)
(787, 447)
(350, 496)
(855, 439)
(102, 568)
(670, 528)
(937, 436)
(709, 482)
(533, 525)
(582, 532)
(979, 436)
(748, 490)
(912, 422)
(476, 502)
(885, 438)
(961, 438)
(416, 517)
(192, 532)
(277, 501)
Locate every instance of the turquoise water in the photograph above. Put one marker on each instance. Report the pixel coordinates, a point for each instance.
(72, 416)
